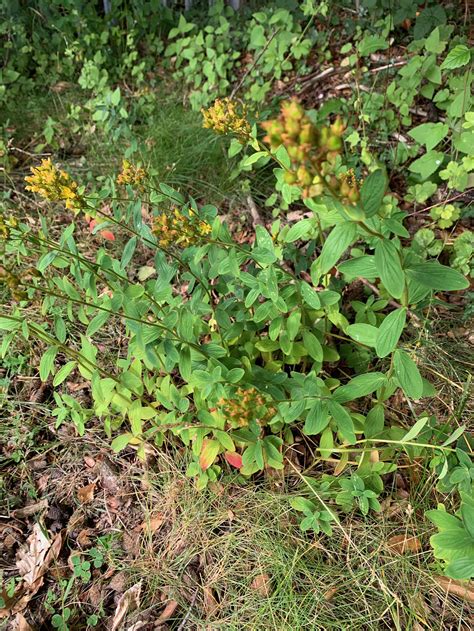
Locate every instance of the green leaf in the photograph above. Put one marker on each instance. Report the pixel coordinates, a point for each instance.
(389, 268)
(458, 56)
(363, 266)
(363, 333)
(97, 322)
(427, 164)
(429, 134)
(461, 568)
(359, 386)
(313, 346)
(415, 430)
(317, 419)
(299, 230)
(302, 505)
(252, 158)
(407, 374)
(47, 362)
(373, 191)
(436, 276)
(344, 421)
(390, 331)
(454, 436)
(282, 155)
(374, 423)
(120, 442)
(443, 520)
(63, 373)
(339, 239)
(310, 296)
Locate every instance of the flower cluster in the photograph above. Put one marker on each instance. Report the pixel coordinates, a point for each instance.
(54, 185)
(247, 405)
(177, 228)
(131, 174)
(226, 116)
(313, 151)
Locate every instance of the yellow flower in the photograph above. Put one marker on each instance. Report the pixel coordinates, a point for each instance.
(131, 174)
(226, 116)
(54, 185)
(176, 228)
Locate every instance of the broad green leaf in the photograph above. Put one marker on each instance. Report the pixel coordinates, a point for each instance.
(389, 268)
(429, 134)
(363, 266)
(47, 362)
(253, 158)
(390, 331)
(427, 164)
(374, 423)
(310, 296)
(461, 568)
(120, 442)
(326, 443)
(335, 245)
(8, 324)
(63, 373)
(97, 322)
(359, 386)
(408, 374)
(373, 191)
(317, 419)
(457, 57)
(313, 346)
(344, 421)
(282, 155)
(363, 333)
(302, 505)
(436, 276)
(299, 230)
(443, 520)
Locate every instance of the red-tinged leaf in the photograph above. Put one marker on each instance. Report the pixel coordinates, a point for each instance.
(233, 458)
(92, 224)
(209, 451)
(107, 235)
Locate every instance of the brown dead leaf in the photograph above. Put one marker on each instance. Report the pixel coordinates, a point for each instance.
(128, 602)
(90, 462)
(461, 589)
(261, 584)
(330, 593)
(210, 603)
(167, 612)
(151, 525)
(30, 558)
(33, 561)
(31, 509)
(401, 544)
(83, 538)
(131, 543)
(118, 581)
(86, 494)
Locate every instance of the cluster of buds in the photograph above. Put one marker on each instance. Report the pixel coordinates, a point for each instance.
(131, 174)
(177, 228)
(348, 187)
(6, 226)
(226, 116)
(54, 185)
(247, 405)
(17, 284)
(313, 151)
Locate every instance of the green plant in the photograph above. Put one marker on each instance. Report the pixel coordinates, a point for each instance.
(454, 543)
